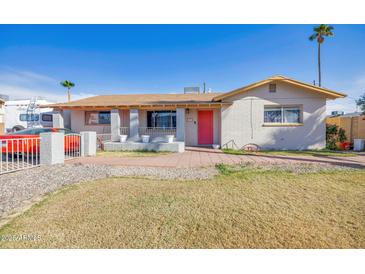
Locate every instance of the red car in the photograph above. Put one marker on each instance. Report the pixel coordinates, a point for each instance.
(28, 141)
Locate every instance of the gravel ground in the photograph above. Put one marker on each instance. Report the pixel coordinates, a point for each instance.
(18, 188)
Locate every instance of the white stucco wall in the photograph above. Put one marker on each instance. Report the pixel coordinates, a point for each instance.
(124, 117)
(78, 123)
(238, 126)
(142, 116)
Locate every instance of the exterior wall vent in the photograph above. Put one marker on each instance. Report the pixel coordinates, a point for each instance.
(272, 88)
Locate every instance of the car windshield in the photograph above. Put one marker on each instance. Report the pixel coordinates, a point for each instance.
(65, 130)
(31, 131)
(37, 131)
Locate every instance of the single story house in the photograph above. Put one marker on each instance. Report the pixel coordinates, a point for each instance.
(275, 113)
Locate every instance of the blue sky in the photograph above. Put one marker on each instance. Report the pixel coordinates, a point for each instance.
(107, 59)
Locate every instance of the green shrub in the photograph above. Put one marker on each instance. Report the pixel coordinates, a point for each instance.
(341, 135)
(334, 134)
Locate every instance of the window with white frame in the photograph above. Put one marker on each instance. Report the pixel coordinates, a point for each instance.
(282, 115)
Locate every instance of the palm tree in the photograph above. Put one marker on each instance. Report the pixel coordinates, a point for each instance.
(319, 33)
(68, 84)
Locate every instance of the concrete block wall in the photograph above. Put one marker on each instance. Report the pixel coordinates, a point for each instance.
(88, 143)
(243, 121)
(52, 148)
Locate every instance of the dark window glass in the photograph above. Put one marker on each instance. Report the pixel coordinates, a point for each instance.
(47, 118)
(29, 117)
(65, 130)
(97, 118)
(272, 115)
(104, 117)
(31, 131)
(291, 115)
(42, 130)
(282, 114)
(161, 119)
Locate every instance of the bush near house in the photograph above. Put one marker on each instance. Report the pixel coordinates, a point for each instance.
(334, 137)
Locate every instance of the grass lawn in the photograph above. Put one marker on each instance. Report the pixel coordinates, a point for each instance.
(136, 153)
(324, 153)
(244, 207)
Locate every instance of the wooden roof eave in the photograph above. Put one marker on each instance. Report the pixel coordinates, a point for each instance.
(142, 106)
(329, 93)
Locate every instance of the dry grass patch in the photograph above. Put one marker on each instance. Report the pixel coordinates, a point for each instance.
(242, 208)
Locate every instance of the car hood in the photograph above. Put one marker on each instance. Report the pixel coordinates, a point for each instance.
(17, 136)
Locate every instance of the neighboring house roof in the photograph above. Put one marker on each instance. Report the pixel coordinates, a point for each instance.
(182, 99)
(329, 93)
(351, 114)
(142, 100)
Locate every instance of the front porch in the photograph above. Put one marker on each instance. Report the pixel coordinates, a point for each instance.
(139, 129)
(140, 146)
(166, 128)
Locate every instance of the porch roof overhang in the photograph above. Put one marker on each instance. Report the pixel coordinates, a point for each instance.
(141, 106)
(143, 101)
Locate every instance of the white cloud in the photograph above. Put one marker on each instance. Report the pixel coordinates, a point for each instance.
(346, 104)
(23, 77)
(19, 92)
(354, 88)
(26, 84)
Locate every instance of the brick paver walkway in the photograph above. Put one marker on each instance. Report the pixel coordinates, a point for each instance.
(201, 157)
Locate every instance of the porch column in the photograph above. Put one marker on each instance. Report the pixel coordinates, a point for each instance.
(180, 124)
(115, 125)
(58, 119)
(133, 124)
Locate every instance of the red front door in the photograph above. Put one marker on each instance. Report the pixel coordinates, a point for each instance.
(205, 127)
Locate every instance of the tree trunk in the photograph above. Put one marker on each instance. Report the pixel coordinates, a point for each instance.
(319, 64)
(68, 95)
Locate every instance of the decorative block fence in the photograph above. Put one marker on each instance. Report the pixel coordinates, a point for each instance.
(49, 148)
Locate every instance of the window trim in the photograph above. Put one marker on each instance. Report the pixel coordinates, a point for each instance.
(282, 123)
(94, 111)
